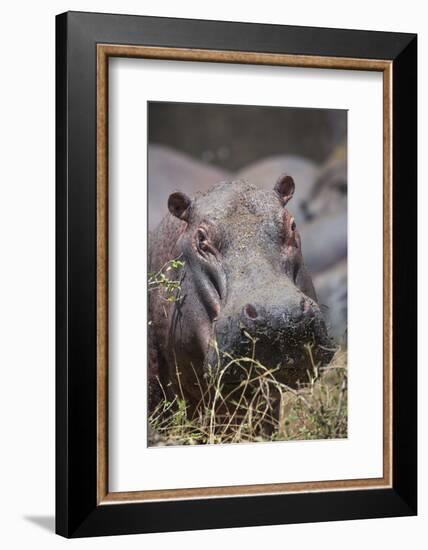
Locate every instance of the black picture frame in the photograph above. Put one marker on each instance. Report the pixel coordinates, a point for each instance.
(77, 512)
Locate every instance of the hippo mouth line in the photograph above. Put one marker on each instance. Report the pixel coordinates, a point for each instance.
(277, 345)
(287, 368)
(286, 348)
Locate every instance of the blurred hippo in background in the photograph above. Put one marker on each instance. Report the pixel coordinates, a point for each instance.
(325, 241)
(169, 170)
(332, 291)
(329, 192)
(325, 235)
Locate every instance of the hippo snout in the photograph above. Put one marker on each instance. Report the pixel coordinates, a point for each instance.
(278, 336)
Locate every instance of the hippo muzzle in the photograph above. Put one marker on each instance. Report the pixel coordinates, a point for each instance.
(283, 330)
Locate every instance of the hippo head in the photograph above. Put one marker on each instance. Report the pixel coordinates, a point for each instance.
(244, 281)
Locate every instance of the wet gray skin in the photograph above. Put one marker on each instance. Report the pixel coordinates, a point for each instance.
(243, 275)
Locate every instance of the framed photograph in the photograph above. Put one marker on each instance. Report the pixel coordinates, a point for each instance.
(236, 274)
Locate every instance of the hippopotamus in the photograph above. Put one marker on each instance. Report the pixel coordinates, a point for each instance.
(242, 279)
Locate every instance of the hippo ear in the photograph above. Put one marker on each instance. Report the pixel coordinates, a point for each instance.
(178, 205)
(285, 188)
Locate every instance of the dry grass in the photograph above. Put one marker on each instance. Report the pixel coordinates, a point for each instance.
(259, 408)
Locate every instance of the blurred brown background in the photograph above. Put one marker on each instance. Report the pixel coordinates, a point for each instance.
(231, 136)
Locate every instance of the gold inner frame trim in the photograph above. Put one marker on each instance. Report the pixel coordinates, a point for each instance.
(104, 51)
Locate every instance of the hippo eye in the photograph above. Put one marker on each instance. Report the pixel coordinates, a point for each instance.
(202, 240)
(293, 226)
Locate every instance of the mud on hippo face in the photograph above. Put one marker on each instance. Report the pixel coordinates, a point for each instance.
(243, 275)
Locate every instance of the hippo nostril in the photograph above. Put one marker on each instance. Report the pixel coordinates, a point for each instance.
(250, 311)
